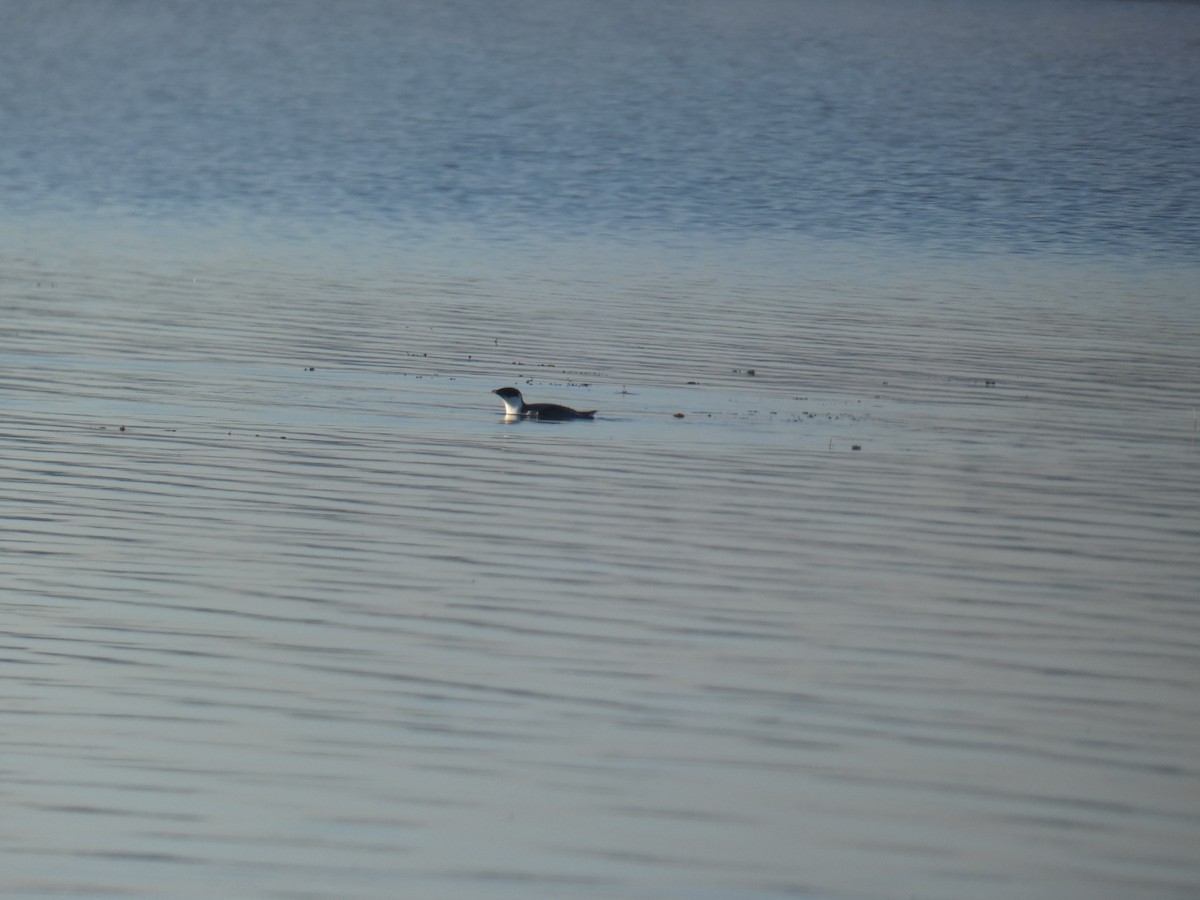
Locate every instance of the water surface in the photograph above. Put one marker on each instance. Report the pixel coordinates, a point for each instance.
(289, 611)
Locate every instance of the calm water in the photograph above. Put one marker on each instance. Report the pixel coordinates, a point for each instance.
(286, 610)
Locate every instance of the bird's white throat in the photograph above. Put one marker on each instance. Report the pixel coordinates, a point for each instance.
(512, 407)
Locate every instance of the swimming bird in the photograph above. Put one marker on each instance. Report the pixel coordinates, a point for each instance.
(515, 405)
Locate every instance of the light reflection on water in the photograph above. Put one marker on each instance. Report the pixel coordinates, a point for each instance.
(342, 632)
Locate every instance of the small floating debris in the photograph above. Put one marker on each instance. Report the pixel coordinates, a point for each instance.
(751, 372)
(989, 382)
(678, 415)
(310, 368)
(856, 446)
(122, 428)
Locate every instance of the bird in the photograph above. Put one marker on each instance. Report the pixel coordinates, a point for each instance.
(515, 406)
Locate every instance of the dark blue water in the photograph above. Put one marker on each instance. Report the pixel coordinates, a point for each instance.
(1062, 127)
